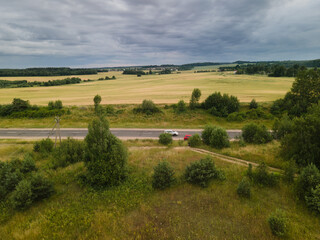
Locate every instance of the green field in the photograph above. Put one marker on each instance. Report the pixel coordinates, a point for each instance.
(135, 211)
(170, 88)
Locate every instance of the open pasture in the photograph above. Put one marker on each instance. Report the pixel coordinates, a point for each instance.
(130, 89)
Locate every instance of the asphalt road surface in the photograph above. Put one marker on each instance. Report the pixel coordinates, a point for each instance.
(123, 133)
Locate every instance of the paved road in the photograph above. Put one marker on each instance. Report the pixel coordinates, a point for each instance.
(123, 133)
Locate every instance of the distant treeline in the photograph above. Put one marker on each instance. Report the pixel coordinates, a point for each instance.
(46, 72)
(133, 72)
(25, 83)
(190, 66)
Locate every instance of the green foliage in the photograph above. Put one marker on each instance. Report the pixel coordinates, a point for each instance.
(302, 144)
(253, 104)
(163, 176)
(258, 134)
(243, 189)
(97, 107)
(58, 104)
(69, 152)
(282, 126)
(10, 176)
(21, 197)
(28, 164)
(308, 179)
(278, 223)
(313, 200)
(215, 137)
(202, 172)
(181, 107)
(165, 138)
(41, 187)
(289, 172)
(148, 107)
(43, 146)
(195, 140)
(236, 117)
(262, 177)
(106, 157)
(196, 93)
(221, 105)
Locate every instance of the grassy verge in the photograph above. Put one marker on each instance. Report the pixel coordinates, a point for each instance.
(123, 116)
(135, 211)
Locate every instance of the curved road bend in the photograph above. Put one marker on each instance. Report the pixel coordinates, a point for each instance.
(122, 133)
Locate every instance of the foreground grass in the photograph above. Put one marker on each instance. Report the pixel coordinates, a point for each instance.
(135, 211)
(123, 116)
(169, 88)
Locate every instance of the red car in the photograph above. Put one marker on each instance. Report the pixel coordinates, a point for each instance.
(186, 137)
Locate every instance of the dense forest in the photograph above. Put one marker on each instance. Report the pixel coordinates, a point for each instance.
(46, 72)
(25, 83)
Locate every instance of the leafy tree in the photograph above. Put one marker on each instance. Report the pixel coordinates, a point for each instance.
(106, 157)
(243, 189)
(196, 93)
(165, 138)
(181, 107)
(148, 107)
(302, 144)
(215, 137)
(194, 140)
(278, 223)
(253, 104)
(22, 196)
(163, 176)
(97, 101)
(221, 105)
(258, 134)
(282, 126)
(308, 179)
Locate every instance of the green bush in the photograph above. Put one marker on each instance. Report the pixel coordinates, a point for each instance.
(148, 107)
(195, 140)
(28, 164)
(243, 189)
(165, 138)
(278, 223)
(308, 179)
(281, 127)
(253, 104)
(69, 152)
(289, 172)
(202, 172)
(21, 197)
(44, 146)
(10, 176)
(258, 134)
(221, 105)
(262, 177)
(181, 107)
(236, 117)
(215, 137)
(163, 176)
(313, 201)
(41, 187)
(106, 156)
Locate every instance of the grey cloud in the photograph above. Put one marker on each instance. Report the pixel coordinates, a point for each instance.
(108, 32)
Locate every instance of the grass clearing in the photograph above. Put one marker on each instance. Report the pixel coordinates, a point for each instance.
(168, 88)
(135, 211)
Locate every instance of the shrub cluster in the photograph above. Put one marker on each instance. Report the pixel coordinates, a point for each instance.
(55, 105)
(278, 223)
(165, 138)
(202, 172)
(163, 176)
(258, 134)
(243, 189)
(194, 140)
(261, 175)
(148, 107)
(70, 151)
(215, 137)
(221, 105)
(181, 107)
(22, 184)
(254, 113)
(282, 126)
(43, 146)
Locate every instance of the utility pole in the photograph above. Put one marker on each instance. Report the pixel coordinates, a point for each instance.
(57, 127)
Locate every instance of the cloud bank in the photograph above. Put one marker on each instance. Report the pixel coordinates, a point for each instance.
(140, 32)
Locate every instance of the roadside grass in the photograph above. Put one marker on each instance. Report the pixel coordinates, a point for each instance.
(135, 211)
(167, 88)
(123, 117)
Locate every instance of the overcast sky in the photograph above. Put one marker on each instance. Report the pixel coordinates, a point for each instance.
(98, 33)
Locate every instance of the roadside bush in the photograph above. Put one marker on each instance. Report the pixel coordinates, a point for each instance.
(163, 176)
(21, 197)
(43, 146)
(28, 164)
(215, 137)
(278, 223)
(253, 104)
(258, 113)
(181, 107)
(194, 140)
(69, 152)
(165, 138)
(313, 201)
(236, 117)
(105, 156)
(308, 179)
(243, 189)
(41, 187)
(202, 172)
(147, 107)
(281, 127)
(258, 134)
(262, 177)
